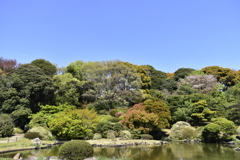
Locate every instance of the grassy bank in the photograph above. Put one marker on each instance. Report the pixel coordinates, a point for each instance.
(21, 144)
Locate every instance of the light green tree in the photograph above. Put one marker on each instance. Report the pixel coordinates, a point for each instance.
(75, 68)
(46, 112)
(66, 89)
(73, 124)
(113, 82)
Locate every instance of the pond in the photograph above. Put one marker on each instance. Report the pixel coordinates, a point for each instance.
(171, 151)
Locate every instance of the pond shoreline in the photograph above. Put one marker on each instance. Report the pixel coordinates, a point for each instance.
(98, 143)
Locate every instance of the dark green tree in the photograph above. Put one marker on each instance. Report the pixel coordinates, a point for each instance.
(23, 91)
(6, 126)
(182, 72)
(46, 66)
(157, 77)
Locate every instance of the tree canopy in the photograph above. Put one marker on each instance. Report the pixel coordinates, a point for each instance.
(46, 66)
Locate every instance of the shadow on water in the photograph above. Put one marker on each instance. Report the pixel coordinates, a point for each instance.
(171, 151)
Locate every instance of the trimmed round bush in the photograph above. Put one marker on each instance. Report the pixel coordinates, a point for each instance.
(125, 134)
(188, 132)
(76, 150)
(97, 136)
(32, 135)
(182, 130)
(114, 120)
(17, 131)
(111, 135)
(39, 132)
(146, 136)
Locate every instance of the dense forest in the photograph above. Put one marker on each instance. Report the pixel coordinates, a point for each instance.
(98, 97)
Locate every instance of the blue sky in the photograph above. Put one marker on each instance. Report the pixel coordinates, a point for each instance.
(166, 34)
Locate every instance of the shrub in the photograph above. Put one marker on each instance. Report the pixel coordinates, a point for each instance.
(135, 134)
(146, 136)
(178, 130)
(103, 128)
(188, 132)
(88, 136)
(117, 128)
(211, 133)
(6, 125)
(32, 135)
(114, 120)
(39, 132)
(238, 131)
(125, 134)
(111, 135)
(76, 150)
(112, 112)
(97, 136)
(17, 131)
(102, 112)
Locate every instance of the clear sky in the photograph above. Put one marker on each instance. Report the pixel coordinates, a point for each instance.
(166, 34)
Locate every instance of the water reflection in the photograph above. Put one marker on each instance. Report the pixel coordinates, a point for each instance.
(171, 151)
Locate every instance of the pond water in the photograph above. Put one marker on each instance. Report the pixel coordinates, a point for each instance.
(171, 151)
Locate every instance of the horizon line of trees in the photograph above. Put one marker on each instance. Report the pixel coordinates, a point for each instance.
(147, 99)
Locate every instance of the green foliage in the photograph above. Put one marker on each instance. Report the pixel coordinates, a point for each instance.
(112, 112)
(32, 135)
(182, 130)
(113, 83)
(135, 134)
(67, 89)
(72, 124)
(46, 66)
(111, 134)
(220, 128)
(23, 91)
(125, 134)
(146, 136)
(75, 68)
(17, 131)
(46, 112)
(211, 133)
(103, 128)
(233, 98)
(201, 113)
(157, 77)
(97, 136)
(188, 132)
(238, 131)
(88, 136)
(114, 120)
(117, 128)
(76, 150)
(186, 89)
(42, 132)
(170, 85)
(156, 94)
(182, 72)
(100, 106)
(6, 125)
(227, 127)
